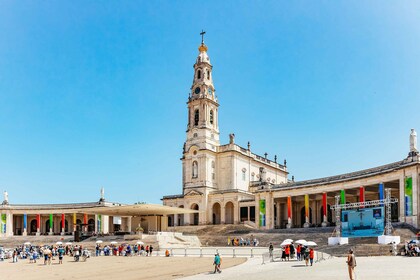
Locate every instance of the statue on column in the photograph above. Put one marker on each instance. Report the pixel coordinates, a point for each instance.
(413, 143)
(6, 198)
(102, 194)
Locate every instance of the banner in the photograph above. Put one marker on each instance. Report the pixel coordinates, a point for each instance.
(3, 223)
(25, 221)
(262, 213)
(99, 222)
(343, 197)
(51, 223)
(409, 196)
(306, 206)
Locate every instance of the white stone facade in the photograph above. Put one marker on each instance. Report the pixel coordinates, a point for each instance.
(215, 177)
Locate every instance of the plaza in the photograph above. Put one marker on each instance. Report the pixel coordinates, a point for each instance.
(196, 268)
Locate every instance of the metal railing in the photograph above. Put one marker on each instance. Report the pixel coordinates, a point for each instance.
(211, 251)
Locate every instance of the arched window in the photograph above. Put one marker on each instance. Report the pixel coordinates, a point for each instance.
(208, 74)
(196, 117)
(195, 169)
(243, 174)
(211, 116)
(199, 74)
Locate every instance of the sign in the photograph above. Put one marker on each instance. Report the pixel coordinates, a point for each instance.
(364, 222)
(262, 213)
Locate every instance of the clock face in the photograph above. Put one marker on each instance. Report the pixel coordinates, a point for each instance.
(197, 90)
(210, 91)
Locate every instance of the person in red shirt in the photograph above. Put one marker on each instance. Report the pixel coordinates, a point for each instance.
(298, 252)
(287, 252)
(311, 256)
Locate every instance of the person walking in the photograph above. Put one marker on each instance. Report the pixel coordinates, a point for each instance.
(298, 248)
(287, 249)
(60, 255)
(270, 250)
(306, 255)
(216, 263)
(351, 264)
(311, 256)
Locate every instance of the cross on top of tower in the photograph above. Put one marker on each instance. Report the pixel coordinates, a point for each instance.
(203, 47)
(202, 36)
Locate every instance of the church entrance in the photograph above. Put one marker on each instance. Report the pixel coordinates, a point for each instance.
(216, 214)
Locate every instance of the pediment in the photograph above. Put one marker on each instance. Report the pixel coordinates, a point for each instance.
(193, 193)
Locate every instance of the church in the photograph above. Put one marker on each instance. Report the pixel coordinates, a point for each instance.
(229, 184)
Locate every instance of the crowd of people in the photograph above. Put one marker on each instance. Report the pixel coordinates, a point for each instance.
(49, 253)
(235, 241)
(412, 249)
(124, 250)
(291, 252)
(46, 253)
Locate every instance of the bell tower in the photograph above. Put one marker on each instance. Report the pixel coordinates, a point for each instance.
(199, 159)
(203, 127)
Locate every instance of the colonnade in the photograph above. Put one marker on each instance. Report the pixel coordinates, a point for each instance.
(304, 207)
(17, 223)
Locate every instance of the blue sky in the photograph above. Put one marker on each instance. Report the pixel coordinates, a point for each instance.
(93, 93)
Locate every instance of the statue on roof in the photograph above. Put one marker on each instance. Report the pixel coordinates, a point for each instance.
(413, 143)
(102, 194)
(6, 197)
(232, 138)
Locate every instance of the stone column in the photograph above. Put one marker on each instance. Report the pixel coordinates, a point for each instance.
(278, 222)
(175, 220)
(401, 200)
(129, 224)
(257, 211)
(415, 198)
(187, 218)
(222, 213)
(269, 205)
(105, 224)
(9, 224)
(96, 224)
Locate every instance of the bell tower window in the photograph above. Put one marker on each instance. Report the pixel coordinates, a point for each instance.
(196, 117)
(211, 116)
(208, 74)
(195, 169)
(199, 74)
